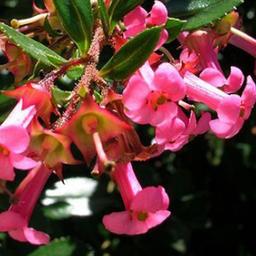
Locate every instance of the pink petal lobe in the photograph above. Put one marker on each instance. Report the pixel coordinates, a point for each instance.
(15, 138)
(203, 124)
(135, 21)
(135, 94)
(221, 129)
(163, 112)
(147, 74)
(249, 97)
(157, 218)
(229, 109)
(234, 81)
(7, 172)
(10, 220)
(158, 14)
(22, 162)
(123, 223)
(168, 79)
(169, 130)
(213, 77)
(30, 235)
(150, 199)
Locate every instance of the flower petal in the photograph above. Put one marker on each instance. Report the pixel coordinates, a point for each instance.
(157, 218)
(22, 162)
(15, 138)
(234, 81)
(135, 94)
(167, 79)
(203, 124)
(213, 77)
(158, 14)
(229, 109)
(169, 130)
(123, 223)
(150, 199)
(30, 235)
(249, 97)
(135, 21)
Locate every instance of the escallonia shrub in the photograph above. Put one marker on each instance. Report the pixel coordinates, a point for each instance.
(141, 83)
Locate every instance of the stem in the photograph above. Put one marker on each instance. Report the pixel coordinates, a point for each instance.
(90, 75)
(167, 54)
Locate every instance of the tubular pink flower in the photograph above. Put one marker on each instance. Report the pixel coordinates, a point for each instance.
(202, 44)
(138, 20)
(150, 96)
(14, 141)
(145, 208)
(232, 109)
(15, 220)
(230, 85)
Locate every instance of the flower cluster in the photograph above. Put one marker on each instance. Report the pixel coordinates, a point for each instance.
(100, 119)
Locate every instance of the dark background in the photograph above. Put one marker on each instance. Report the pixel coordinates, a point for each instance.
(211, 184)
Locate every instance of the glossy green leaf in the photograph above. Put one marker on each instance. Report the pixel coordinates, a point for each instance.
(104, 16)
(174, 27)
(132, 55)
(119, 8)
(77, 19)
(37, 50)
(200, 12)
(58, 247)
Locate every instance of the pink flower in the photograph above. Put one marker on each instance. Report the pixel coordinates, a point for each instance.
(230, 85)
(145, 208)
(202, 44)
(150, 96)
(138, 20)
(175, 133)
(14, 141)
(232, 109)
(15, 220)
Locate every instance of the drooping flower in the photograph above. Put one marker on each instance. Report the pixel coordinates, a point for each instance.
(149, 97)
(92, 125)
(145, 208)
(51, 148)
(202, 43)
(232, 110)
(14, 141)
(15, 220)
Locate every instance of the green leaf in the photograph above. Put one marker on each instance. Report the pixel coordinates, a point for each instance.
(60, 97)
(61, 247)
(200, 12)
(132, 55)
(104, 16)
(119, 8)
(174, 26)
(76, 72)
(77, 19)
(32, 47)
